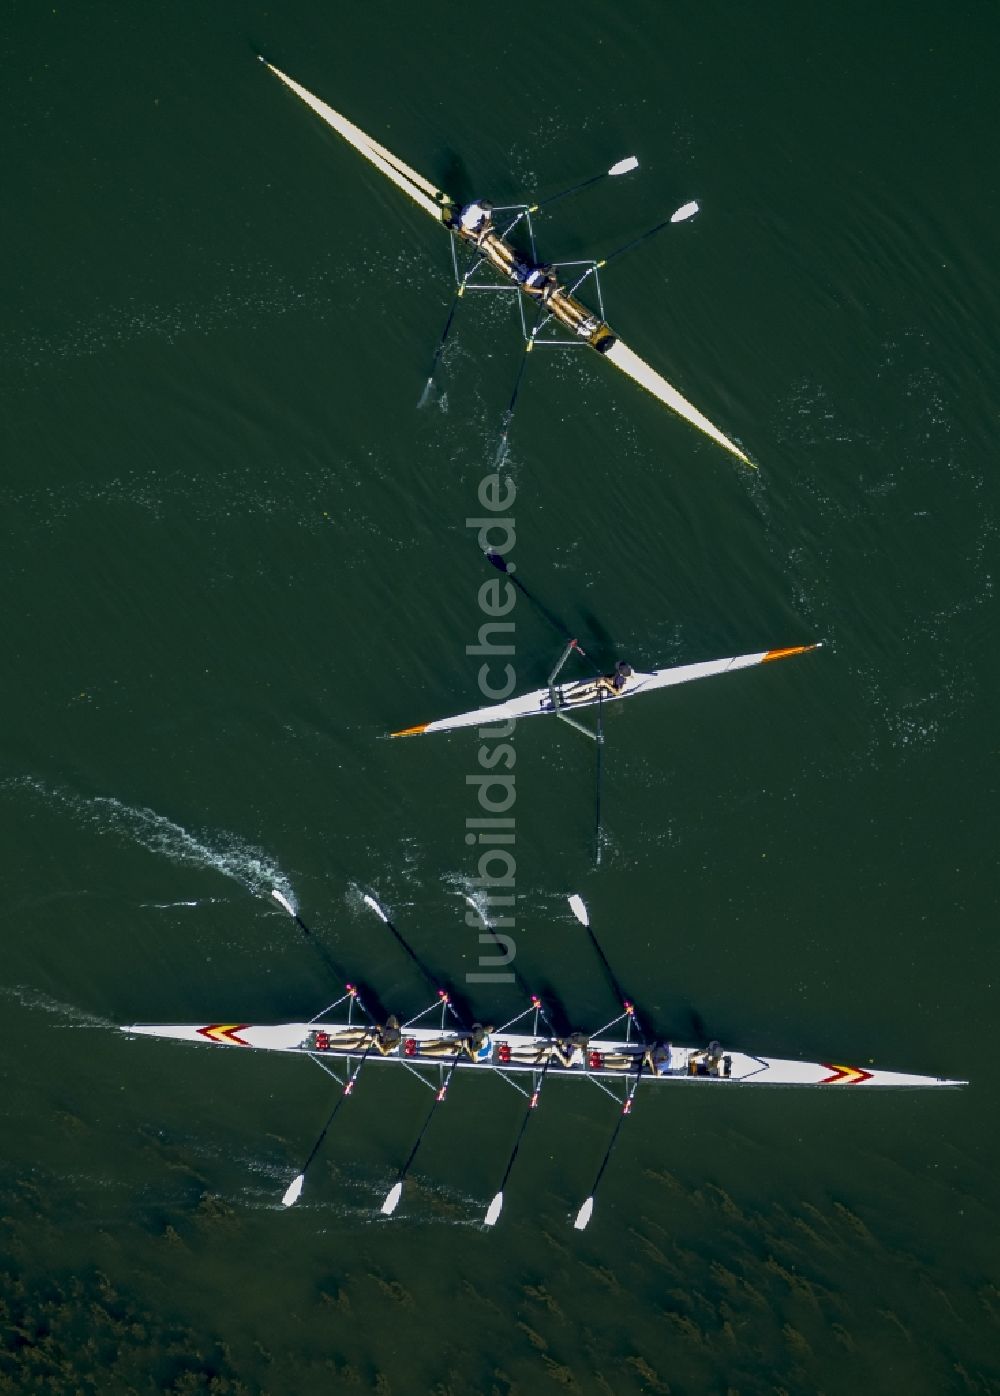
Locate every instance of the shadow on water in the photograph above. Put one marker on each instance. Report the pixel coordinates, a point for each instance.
(454, 176)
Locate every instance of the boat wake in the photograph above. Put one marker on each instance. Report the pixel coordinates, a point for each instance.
(220, 850)
(37, 1002)
(198, 901)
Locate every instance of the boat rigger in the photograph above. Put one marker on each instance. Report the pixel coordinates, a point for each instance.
(473, 226)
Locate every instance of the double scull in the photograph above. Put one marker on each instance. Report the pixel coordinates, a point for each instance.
(471, 225)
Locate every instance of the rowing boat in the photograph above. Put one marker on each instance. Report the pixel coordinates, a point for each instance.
(517, 1053)
(589, 692)
(615, 1064)
(533, 279)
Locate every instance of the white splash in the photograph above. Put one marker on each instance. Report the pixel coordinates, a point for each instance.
(226, 853)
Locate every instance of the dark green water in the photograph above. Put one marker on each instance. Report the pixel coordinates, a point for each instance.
(235, 556)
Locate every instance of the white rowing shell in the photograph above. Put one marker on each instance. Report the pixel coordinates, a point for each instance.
(586, 694)
(434, 201)
(745, 1069)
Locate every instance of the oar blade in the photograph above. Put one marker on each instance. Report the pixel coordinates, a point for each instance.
(493, 1213)
(624, 166)
(294, 1191)
(392, 1200)
(283, 901)
(370, 901)
(584, 1215)
(685, 212)
(579, 909)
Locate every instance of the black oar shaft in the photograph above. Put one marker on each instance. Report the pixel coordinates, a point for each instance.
(348, 1090)
(444, 335)
(626, 1110)
(565, 193)
(620, 251)
(599, 779)
(513, 1152)
(329, 961)
(438, 1099)
(500, 563)
(626, 1002)
(431, 978)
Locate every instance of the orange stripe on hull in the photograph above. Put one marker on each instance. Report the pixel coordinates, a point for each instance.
(411, 731)
(787, 653)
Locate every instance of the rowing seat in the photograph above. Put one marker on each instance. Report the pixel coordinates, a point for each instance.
(503, 1053)
(410, 1047)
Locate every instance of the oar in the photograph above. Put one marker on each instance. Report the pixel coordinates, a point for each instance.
(284, 902)
(321, 949)
(396, 1191)
(579, 909)
(441, 343)
(581, 913)
(294, 1190)
(508, 415)
(622, 167)
(501, 564)
(494, 1209)
(679, 215)
(600, 771)
(519, 979)
(586, 1211)
(383, 916)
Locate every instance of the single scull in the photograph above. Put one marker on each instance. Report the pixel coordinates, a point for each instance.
(586, 693)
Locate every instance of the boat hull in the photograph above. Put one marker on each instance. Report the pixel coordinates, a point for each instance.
(519, 1053)
(587, 693)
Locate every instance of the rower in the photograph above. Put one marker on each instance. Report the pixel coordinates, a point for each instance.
(706, 1062)
(476, 219)
(388, 1038)
(570, 1050)
(656, 1059)
(539, 281)
(479, 1044)
(614, 683)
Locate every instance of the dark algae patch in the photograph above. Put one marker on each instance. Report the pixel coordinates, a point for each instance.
(78, 1334)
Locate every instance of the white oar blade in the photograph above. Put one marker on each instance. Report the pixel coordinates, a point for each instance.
(392, 1201)
(685, 212)
(293, 1192)
(579, 909)
(494, 1211)
(624, 166)
(584, 1215)
(282, 901)
(371, 902)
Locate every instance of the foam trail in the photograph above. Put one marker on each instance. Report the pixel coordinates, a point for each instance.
(220, 850)
(200, 901)
(35, 1000)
